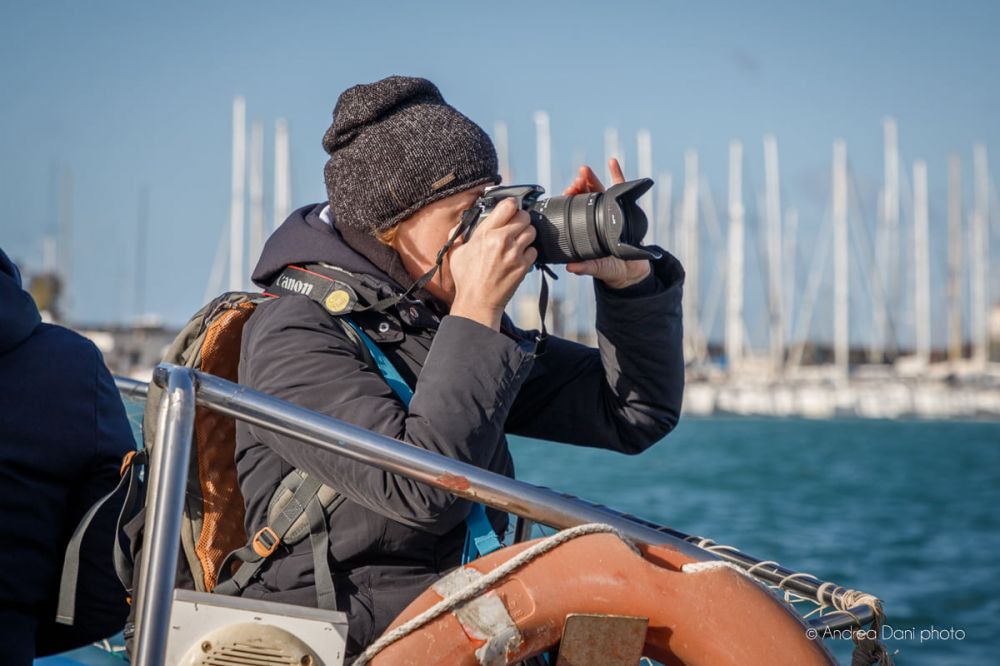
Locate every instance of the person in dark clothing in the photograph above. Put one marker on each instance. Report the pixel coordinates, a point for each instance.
(63, 432)
(403, 166)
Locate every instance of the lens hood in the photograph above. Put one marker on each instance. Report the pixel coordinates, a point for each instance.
(622, 224)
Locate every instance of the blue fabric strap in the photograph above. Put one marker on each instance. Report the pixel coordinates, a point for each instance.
(385, 366)
(480, 538)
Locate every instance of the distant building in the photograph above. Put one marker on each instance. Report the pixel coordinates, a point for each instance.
(46, 289)
(131, 350)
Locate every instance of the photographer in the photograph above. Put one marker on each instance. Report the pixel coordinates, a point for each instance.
(403, 167)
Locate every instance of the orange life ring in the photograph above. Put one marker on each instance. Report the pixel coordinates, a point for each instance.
(708, 613)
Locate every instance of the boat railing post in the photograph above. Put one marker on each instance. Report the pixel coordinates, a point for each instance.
(165, 504)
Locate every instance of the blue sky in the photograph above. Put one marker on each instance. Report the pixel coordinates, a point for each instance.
(127, 95)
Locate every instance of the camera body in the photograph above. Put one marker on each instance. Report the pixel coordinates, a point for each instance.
(577, 227)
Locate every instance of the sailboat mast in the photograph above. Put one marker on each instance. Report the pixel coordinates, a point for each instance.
(954, 258)
(503, 151)
(690, 244)
(890, 211)
(841, 348)
(64, 250)
(282, 177)
(612, 149)
(790, 238)
(879, 273)
(50, 241)
(734, 301)
(543, 151)
(774, 250)
(543, 173)
(236, 214)
(664, 205)
(644, 156)
(921, 265)
(256, 190)
(980, 259)
(142, 225)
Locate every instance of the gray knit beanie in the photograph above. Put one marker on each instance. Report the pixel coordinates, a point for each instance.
(395, 146)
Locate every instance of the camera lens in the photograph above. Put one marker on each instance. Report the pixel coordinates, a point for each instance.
(592, 225)
(567, 228)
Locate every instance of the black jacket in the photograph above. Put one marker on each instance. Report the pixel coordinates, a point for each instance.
(63, 432)
(472, 384)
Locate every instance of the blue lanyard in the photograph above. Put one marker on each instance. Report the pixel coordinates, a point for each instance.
(480, 539)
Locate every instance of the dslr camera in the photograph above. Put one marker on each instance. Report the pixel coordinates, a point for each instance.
(577, 227)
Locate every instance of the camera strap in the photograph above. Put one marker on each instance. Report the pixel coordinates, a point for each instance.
(421, 282)
(543, 305)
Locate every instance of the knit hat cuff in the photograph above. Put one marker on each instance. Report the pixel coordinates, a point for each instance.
(437, 196)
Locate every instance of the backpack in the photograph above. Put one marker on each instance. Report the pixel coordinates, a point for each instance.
(213, 536)
(213, 511)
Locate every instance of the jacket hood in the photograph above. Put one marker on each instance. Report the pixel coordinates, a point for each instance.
(304, 238)
(18, 312)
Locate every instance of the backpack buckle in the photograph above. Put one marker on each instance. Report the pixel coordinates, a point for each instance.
(126, 462)
(265, 542)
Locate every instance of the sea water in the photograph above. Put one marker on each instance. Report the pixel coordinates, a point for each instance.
(906, 510)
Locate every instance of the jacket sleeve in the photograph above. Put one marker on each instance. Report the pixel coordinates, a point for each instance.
(626, 394)
(293, 350)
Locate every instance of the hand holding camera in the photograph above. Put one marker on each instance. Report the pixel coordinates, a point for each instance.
(488, 267)
(614, 272)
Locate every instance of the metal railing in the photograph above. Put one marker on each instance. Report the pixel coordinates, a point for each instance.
(168, 471)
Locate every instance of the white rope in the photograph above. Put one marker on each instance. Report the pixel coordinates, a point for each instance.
(762, 563)
(715, 565)
(821, 590)
(481, 585)
(851, 599)
(842, 599)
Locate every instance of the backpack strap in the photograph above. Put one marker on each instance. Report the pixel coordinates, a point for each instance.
(305, 501)
(319, 541)
(66, 607)
(133, 466)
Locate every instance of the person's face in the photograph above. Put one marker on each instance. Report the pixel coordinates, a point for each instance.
(422, 235)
